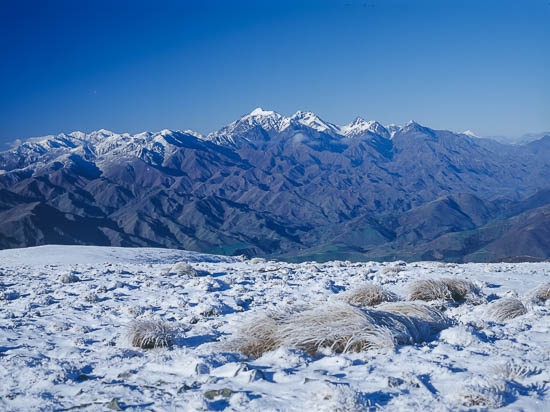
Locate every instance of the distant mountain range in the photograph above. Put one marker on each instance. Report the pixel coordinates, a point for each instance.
(295, 188)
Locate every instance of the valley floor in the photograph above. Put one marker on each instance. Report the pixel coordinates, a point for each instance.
(65, 313)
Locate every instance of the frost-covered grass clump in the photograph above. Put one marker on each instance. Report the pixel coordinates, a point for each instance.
(456, 290)
(339, 327)
(422, 321)
(183, 268)
(505, 309)
(483, 393)
(541, 294)
(149, 334)
(68, 277)
(369, 295)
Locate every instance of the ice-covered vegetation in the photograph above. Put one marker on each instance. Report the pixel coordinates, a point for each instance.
(505, 309)
(149, 334)
(126, 329)
(369, 295)
(449, 289)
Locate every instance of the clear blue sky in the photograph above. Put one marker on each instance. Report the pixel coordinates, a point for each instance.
(133, 66)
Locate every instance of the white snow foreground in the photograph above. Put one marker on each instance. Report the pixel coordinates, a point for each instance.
(69, 316)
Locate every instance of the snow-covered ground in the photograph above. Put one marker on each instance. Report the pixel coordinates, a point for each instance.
(66, 312)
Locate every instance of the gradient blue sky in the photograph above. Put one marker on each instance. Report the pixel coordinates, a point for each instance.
(134, 66)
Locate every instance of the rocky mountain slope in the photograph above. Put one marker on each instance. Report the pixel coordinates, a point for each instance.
(294, 187)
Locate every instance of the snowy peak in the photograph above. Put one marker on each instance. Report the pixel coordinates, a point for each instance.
(411, 125)
(237, 132)
(359, 124)
(267, 119)
(360, 127)
(313, 121)
(258, 111)
(470, 133)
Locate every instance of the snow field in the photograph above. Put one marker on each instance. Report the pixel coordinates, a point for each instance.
(69, 316)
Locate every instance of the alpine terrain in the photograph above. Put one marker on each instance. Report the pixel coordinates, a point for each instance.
(296, 188)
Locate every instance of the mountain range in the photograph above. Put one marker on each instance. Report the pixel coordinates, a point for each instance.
(294, 188)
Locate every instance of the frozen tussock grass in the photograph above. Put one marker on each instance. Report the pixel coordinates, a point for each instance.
(505, 309)
(369, 295)
(339, 327)
(461, 289)
(428, 290)
(68, 277)
(541, 294)
(483, 393)
(421, 321)
(260, 333)
(183, 268)
(456, 290)
(149, 334)
(331, 397)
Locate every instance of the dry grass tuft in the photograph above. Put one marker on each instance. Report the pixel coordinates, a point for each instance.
(369, 295)
(340, 327)
(460, 289)
(422, 321)
(147, 334)
(505, 309)
(541, 294)
(428, 290)
(258, 335)
(449, 289)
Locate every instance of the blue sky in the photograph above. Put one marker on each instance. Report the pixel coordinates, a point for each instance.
(134, 66)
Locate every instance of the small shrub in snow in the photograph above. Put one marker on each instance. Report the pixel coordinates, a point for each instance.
(483, 394)
(505, 309)
(331, 397)
(369, 295)
(91, 298)
(150, 334)
(68, 278)
(183, 268)
(456, 290)
(512, 371)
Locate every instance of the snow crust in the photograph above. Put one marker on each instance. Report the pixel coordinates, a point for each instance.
(65, 314)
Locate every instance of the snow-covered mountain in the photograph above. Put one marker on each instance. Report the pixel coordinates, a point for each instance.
(268, 184)
(260, 126)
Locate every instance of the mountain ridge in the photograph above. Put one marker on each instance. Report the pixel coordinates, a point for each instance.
(268, 185)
